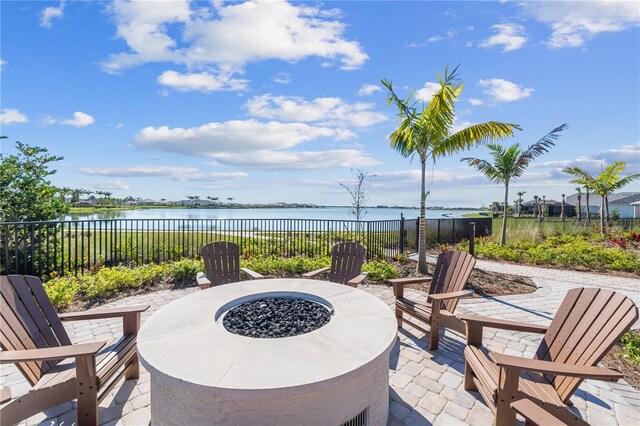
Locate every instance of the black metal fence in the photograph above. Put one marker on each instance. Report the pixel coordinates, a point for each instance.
(42, 248)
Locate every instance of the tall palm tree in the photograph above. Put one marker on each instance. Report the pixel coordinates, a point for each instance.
(562, 207)
(509, 163)
(428, 134)
(520, 194)
(535, 201)
(607, 182)
(579, 200)
(543, 209)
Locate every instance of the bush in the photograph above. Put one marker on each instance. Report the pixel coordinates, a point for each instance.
(185, 269)
(562, 250)
(631, 343)
(279, 266)
(380, 270)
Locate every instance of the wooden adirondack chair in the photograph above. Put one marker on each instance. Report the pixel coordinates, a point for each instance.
(447, 287)
(346, 265)
(588, 323)
(222, 265)
(33, 338)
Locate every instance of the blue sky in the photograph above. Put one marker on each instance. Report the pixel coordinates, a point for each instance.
(276, 101)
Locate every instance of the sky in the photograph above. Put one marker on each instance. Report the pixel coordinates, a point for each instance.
(279, 102)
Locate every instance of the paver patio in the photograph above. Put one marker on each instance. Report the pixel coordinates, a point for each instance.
(426, 387)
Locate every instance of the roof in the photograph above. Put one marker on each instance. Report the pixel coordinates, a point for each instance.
(546, 203)
(626, 200)
(594, 199)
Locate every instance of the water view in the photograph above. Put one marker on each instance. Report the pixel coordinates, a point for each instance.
(328, 213)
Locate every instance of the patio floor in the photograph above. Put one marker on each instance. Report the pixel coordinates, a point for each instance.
(426, 387)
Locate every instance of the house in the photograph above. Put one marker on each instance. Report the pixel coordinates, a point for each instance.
(636, 209)
(195, 203)
(553, 208)
(620, 202)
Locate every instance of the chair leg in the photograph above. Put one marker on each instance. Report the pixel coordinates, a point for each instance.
(87, 390)
(132, 370)
(469, 384)
(399, 317)
(507, 391)
(434, 333)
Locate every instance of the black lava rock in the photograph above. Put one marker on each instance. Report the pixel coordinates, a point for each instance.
(272, 318)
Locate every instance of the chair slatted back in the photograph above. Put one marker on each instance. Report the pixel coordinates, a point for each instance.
(453, 269)
(346, 262)
(221, 262)
(587, 325)
(29, 321)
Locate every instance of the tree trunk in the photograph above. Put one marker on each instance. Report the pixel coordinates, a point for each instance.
(602, 214)
(579, 212)
(588, 208)
(606, 206)
(422, 249)
(503, 234)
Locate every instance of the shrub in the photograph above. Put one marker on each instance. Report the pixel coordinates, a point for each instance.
(631, 343)
(185, 269)
(380, 270)
(278, 266)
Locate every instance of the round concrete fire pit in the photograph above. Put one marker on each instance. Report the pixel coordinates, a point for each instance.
(203, 374)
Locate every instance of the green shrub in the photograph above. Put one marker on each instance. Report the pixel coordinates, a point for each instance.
(562, 250)
(185, 269)
(380, 270)
(631, 343)
(278, 266)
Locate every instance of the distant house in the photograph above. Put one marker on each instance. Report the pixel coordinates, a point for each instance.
(553, 208)
(620, 202)
(144, 202)
(195, 203)
(636, 209)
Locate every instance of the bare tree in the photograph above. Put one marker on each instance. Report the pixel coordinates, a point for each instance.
(357, 193)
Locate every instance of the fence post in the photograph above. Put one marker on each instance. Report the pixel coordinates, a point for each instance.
(472, 238)
(368, 241)
(401, 233)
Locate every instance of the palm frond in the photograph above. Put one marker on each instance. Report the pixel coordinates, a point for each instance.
(486, 168)
(544, 144)
(624, 182)
(474, 135)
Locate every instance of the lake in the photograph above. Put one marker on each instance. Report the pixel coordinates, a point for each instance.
(327, 213)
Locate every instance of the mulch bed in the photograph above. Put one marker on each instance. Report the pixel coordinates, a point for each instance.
(484, 283)
(630, 369)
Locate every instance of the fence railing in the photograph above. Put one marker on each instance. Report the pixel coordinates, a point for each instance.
(41, 248)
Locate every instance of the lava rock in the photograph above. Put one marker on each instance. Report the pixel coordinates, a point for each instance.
(276, 317)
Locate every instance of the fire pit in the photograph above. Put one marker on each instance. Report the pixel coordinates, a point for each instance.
(282, 352)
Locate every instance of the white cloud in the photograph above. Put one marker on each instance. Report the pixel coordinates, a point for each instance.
(109, 184)
(2, 64)
(476, 101)
(202, 82)
(426, 93)
(324, 111)
(222, 38)
(232, 136)
(594, 163)
(369, 89)
(282, 78)
(12, 115)
(509, 36)
(172, 172)
(504, 91)
(574, 22)
(448, 35)
(304, 160)
(48, 14)
(80, 119)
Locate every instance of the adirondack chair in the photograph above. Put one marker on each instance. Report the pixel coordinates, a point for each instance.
(222, 265)
(346, 265)
(447, 287)
(33, 338)
(588, 323)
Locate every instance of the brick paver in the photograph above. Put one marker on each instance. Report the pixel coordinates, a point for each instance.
(426, 387)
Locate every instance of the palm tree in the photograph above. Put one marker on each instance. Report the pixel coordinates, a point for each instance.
(543, 209)
(509, 163)
(562, 208)
(520, 194)
(535, 201)
(428, 134)
(579, 200)
(607, 182)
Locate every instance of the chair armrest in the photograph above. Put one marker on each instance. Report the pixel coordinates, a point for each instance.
(404, 281)
(454, 295)
(253, 275)
(539, 416)
(353, 282)
(203, 281)
(119, 311)
(550, 367)
(315, 273)
(56, 352)
(502, 324)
